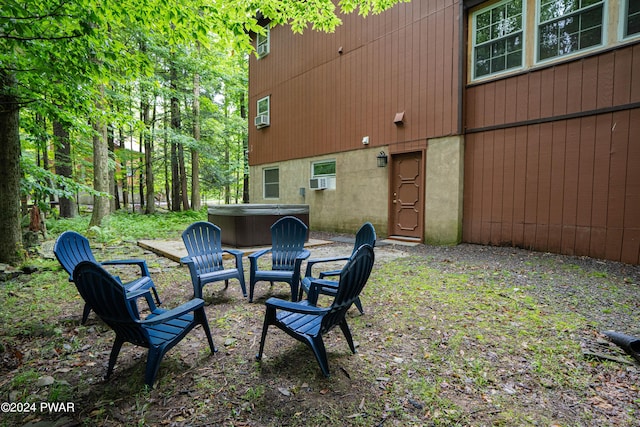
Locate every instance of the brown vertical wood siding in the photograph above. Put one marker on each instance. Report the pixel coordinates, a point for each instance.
(403, 60)
(552, 155)
(552, 159)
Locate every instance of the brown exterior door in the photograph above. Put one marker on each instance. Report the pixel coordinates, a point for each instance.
(407, 195)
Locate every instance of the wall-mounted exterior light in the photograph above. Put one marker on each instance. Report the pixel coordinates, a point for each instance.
(382, 159)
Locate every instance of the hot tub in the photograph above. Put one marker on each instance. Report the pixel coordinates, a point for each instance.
(247, 225)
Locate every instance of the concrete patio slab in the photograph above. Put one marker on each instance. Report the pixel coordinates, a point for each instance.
(174, 249)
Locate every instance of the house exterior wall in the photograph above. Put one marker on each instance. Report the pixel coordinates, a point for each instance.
(360, 194)
(329, 91)
(552, 158)
(443, 190)
(361, 190)
(576, 191)
(545, 156)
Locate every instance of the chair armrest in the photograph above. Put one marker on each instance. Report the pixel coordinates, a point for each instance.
(328, 259)
(331, 273)
(238, 255)
(315, 261)
(313, 292)
(146, 293)
(137, 294)
(323, 283)
(144, 270)
(185, 308)
(253, 259)
(259, 253)
(316, 286)
(193, 272)
(295, 307)
(233, 252)
(304, 254)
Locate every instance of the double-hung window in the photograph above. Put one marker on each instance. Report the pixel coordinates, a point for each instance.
(263, 112)
(511, 35)
(568, 26)
(263, 43)
(498, 38)
(271, 183)
(631, 17)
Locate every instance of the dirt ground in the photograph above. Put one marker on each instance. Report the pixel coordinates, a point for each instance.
(287, 388)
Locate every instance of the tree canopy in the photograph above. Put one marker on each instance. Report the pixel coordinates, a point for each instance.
(80, 77)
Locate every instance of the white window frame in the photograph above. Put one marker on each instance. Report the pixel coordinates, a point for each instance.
(331, 177)
(263, 109)
(613, 29)
(581, 51)
(624, 16)
(474, 46)
(320, 162)
(276, 184)
(263, 43)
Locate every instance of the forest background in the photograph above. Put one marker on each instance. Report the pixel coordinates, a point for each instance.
(131, 103)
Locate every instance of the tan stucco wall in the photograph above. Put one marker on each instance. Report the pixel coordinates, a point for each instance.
(443, 190)
(361, 192)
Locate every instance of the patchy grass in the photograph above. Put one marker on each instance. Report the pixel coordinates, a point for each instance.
(471, 339)
(443, 343)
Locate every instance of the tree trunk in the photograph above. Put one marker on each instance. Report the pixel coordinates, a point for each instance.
(113, 187)
(141, 179)
(245, 152)
(175, 176)
(46, 165)
(175, 127)
(195, 155)
(62, 156)
(100, 171)
(227, 185)
(165, 152)
(183, 178)
(148, 157)
(10, 151)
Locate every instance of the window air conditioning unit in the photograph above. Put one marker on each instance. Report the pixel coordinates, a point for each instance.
(261, 121)
(318, 183)
(263, 50)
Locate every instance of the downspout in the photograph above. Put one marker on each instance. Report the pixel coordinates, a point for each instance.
(461, 67)
(462, 55)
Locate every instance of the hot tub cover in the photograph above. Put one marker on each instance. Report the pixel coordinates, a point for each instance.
(249, 209)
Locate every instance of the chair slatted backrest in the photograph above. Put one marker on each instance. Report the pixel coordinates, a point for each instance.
(288, 235)
(353, 277)
(366, 235)
(71, 249)
(203, 241)
(107, 299)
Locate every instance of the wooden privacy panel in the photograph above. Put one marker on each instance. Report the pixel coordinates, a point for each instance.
(568, 186)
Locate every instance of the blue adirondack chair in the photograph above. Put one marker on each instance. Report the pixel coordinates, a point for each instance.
(159, 332)
(205, 260)
(72, 248)
(366, 235)
(307, 323)
(288, 235)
